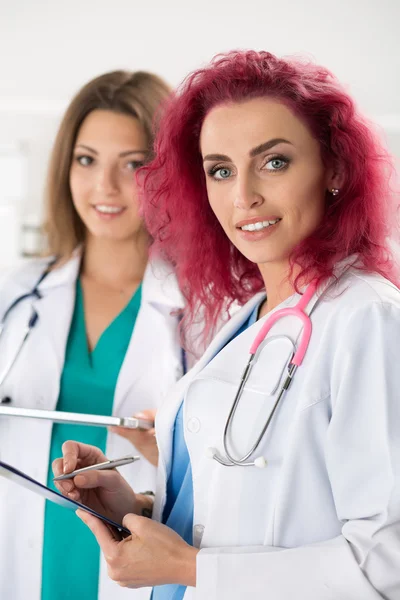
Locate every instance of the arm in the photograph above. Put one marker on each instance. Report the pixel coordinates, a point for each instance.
(364, 562)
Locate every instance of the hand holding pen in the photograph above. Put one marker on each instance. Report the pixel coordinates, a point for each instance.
(108, 464)
(103, 489)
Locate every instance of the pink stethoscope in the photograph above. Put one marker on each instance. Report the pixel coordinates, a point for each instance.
(296, 360)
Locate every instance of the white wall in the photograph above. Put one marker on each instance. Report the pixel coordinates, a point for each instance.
(48, 49)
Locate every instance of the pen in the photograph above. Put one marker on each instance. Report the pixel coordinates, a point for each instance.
(108, 464)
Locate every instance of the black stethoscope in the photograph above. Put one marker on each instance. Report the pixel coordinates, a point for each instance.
(33, 319)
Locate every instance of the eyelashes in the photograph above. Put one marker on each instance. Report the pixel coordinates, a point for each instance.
(281, 161)
(84, 160)
(278, 158)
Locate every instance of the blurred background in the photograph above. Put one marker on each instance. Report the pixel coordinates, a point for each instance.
(49, 49)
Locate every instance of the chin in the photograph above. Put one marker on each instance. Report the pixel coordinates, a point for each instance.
(264, 256)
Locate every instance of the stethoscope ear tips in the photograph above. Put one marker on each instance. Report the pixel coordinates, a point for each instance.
(260, 462)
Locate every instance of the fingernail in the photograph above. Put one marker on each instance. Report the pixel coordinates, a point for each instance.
(81, 515)
(65, 469)
(80, 480)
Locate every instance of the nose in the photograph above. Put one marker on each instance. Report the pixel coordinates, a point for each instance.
(246, 194)
(107, 181)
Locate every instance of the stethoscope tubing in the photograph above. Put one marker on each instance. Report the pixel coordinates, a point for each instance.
(298, 311)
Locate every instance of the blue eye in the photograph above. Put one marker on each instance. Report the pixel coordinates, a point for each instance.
(277, 164)
(132, 165)
(220, 173)
(84, 160)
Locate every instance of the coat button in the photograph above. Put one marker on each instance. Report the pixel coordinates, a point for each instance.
(193, 425)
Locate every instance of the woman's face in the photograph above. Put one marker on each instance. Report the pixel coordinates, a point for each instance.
(266, 182)
(109, 148)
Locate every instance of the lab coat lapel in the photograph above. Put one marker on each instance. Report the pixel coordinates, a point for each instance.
(161, 299)
(55, 309)
(168, 411)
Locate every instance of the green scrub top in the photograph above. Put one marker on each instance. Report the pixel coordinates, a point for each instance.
(71, 556)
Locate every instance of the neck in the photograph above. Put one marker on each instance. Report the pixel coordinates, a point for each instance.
(115, 263)
(277, 284)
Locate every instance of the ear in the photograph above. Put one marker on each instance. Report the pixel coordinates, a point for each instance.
(334, 178)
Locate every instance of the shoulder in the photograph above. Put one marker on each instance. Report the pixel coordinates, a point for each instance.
(371, 287)
(359, 308)
(20, 280)
(357, 291)
(23, 276)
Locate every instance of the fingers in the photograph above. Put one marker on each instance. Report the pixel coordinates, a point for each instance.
(58, 467)
(70, 452)
(109, 480)
(65, 487)
(74, 452)
(148, 415)
(129, 521)
(103, 535)
(143, 440)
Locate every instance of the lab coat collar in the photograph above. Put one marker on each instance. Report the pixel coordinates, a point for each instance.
(66, 274)
(159, 283)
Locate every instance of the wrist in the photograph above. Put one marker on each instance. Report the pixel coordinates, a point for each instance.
(187, 567)
(144, 504)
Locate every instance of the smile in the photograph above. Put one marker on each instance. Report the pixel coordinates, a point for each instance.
(259, 225)
(107, 209)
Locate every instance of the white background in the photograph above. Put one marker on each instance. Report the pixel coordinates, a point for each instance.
(49, 49)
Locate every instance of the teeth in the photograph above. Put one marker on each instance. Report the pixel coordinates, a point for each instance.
(103, 208)
(258, 226)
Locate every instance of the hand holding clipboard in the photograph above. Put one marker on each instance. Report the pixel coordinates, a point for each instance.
(24, 480)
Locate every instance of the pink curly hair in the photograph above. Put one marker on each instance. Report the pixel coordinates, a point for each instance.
(210, 270)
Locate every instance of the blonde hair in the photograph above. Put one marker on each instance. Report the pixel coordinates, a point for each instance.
(139, 95)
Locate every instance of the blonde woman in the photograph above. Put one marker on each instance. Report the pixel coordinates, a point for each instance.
(105, 339)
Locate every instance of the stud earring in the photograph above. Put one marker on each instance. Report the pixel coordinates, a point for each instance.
(334, 191)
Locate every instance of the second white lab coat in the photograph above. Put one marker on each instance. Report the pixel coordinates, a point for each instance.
(151, 366)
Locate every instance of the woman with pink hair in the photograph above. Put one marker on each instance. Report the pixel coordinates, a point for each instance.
(279, 479)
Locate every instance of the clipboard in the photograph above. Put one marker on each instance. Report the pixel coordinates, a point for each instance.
(13, 474)
(77, 418)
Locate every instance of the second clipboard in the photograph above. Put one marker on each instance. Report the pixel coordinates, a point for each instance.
(76, 418)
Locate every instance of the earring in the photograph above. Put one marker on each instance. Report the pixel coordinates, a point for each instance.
(334, 191)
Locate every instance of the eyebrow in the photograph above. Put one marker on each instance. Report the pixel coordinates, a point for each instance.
(253, 152)
(122, 154)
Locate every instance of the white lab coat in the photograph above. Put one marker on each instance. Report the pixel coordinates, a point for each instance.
(152, 364)
(322, 520)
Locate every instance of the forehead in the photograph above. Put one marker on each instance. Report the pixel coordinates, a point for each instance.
(250, 123)
(111, 127)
